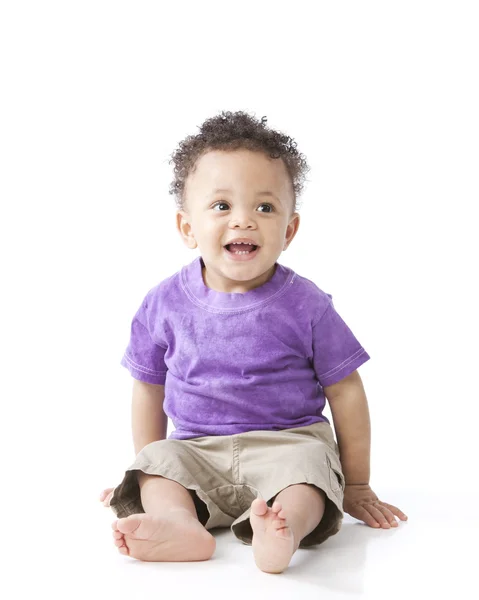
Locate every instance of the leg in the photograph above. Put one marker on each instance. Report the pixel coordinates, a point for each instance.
(169, 529)
(278, 531)
(159, 495)
(303, 506)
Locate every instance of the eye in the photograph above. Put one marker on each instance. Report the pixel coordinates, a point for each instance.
(219, 204)
(269, 205)
(271, 208)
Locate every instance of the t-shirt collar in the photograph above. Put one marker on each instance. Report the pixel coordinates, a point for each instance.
(201, 294)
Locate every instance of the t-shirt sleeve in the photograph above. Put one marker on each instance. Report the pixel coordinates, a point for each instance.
(144, 359)
(336, 351)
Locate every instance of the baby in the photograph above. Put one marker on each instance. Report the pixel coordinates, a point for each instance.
(241, 353)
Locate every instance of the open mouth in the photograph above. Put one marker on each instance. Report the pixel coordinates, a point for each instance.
(241, 252)
(240, 249)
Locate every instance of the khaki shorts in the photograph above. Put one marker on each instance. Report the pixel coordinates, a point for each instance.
(224, 474)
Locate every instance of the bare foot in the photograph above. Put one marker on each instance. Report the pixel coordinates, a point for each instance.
(176, 536)
(106, 495)
(273, 540)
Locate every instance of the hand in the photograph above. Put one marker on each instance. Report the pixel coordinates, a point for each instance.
(106, 495)
(362, 503)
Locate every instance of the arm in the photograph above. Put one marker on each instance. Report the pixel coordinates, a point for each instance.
(148, 419)
(349, 407)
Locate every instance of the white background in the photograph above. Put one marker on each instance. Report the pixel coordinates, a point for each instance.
(382, 98)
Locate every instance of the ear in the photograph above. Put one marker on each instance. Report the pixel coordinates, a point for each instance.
(291, 230)
(184, 227)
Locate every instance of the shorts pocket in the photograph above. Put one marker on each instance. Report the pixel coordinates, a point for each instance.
(336, 476)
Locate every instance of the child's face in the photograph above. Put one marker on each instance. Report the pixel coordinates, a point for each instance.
(212, 218)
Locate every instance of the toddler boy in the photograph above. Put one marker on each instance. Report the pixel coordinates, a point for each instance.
(241, 353)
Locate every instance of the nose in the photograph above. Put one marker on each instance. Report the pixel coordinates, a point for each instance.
(242, 218)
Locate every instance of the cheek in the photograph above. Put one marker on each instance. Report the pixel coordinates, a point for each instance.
(211, 231)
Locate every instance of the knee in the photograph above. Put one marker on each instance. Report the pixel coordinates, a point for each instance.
(306, 489)
(317, 491)
(300, 496)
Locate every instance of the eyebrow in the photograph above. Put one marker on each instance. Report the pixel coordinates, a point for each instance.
(265, 193)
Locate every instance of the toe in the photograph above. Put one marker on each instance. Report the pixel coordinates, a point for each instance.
(105, 493)
(276, 507)
(117, 535)
(129, 524)
(114, 525)
(259, 507)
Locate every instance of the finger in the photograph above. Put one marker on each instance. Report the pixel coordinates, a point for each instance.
(395, 511)
(359, 512)
(378, 515)
(387, 514)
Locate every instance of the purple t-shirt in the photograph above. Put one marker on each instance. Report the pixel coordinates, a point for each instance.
(233, 362)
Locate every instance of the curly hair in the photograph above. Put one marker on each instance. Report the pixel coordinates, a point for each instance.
(234, 131)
